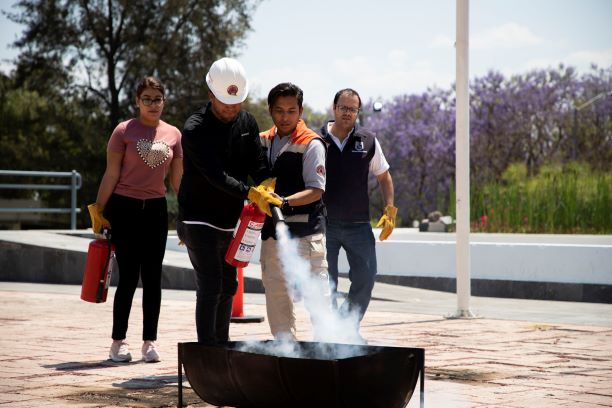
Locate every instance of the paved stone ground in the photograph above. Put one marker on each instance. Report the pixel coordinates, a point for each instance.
(55, 347)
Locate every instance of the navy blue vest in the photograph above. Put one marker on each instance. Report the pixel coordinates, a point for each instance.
(346, 186)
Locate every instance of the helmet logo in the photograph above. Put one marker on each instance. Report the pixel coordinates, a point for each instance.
(232, 90)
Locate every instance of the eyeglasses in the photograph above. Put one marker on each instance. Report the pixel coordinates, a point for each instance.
(149, 102)
(346, 109)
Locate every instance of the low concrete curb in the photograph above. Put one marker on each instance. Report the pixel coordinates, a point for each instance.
(46, 257)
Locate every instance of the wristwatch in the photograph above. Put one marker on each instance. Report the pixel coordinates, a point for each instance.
(285, 204)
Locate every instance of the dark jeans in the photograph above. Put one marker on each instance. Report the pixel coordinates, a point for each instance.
(216, 280)
(139, 229)
(358, 241)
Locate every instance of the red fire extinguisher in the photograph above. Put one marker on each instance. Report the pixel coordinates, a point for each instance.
(245, 237)
(98, 270)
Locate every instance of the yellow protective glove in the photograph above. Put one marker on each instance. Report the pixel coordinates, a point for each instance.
(387, 222)
(262, 197)
(98, 222)
(269, 184)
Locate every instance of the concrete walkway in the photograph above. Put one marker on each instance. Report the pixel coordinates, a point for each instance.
(521, 353)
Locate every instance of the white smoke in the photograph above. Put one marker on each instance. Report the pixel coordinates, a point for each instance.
(327, 323)
(292, 349)
(329, 326)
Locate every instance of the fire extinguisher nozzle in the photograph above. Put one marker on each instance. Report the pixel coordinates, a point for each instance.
(277, 215)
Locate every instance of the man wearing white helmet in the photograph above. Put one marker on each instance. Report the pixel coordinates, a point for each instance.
(221, 150)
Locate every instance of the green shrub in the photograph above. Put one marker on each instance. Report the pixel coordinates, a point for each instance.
(567, 199)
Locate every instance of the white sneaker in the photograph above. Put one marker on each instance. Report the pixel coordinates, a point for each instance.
(149, 354)
(119, 352)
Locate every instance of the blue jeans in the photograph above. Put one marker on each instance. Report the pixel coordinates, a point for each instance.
(358, 241)
(216, 280)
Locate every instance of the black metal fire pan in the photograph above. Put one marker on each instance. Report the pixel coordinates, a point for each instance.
(322, 375)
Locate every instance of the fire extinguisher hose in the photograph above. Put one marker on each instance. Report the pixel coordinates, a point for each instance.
(102, 281)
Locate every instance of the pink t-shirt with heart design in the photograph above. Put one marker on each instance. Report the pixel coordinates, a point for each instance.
(147, 154)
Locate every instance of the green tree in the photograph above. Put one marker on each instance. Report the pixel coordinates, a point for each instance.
(314, 119)
(105, 47)
(41, 130)
(259, 109)
(78, 67)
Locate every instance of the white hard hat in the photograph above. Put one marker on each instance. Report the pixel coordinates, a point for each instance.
(227, 81)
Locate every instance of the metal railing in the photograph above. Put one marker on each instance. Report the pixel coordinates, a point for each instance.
(75, 184)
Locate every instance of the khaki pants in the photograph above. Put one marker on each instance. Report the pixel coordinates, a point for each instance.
(279, 304)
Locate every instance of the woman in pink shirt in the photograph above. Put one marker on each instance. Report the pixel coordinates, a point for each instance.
(132, 201)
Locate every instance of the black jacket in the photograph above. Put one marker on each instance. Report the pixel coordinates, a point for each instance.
(218, 159)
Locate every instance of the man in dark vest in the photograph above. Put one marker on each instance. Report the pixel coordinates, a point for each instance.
(296, 155)
(352, 153)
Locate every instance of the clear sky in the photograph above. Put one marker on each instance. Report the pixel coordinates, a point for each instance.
(384, 48)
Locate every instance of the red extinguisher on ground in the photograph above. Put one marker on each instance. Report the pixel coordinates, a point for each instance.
(98, 269)
(245, 237)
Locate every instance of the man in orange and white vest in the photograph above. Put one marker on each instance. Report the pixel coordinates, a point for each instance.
(296, 155)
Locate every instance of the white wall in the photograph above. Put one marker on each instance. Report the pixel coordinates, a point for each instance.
(505, 261)
(520, 257)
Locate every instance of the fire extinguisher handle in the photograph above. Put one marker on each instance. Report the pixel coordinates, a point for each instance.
(107, 233)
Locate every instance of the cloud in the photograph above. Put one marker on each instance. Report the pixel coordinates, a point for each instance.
(581, 60)
(398, 58)
(442, 41)
(314, 79)
(395, 73)
(508, 35)
(6, 67)
(539, 63)
(603, 58)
